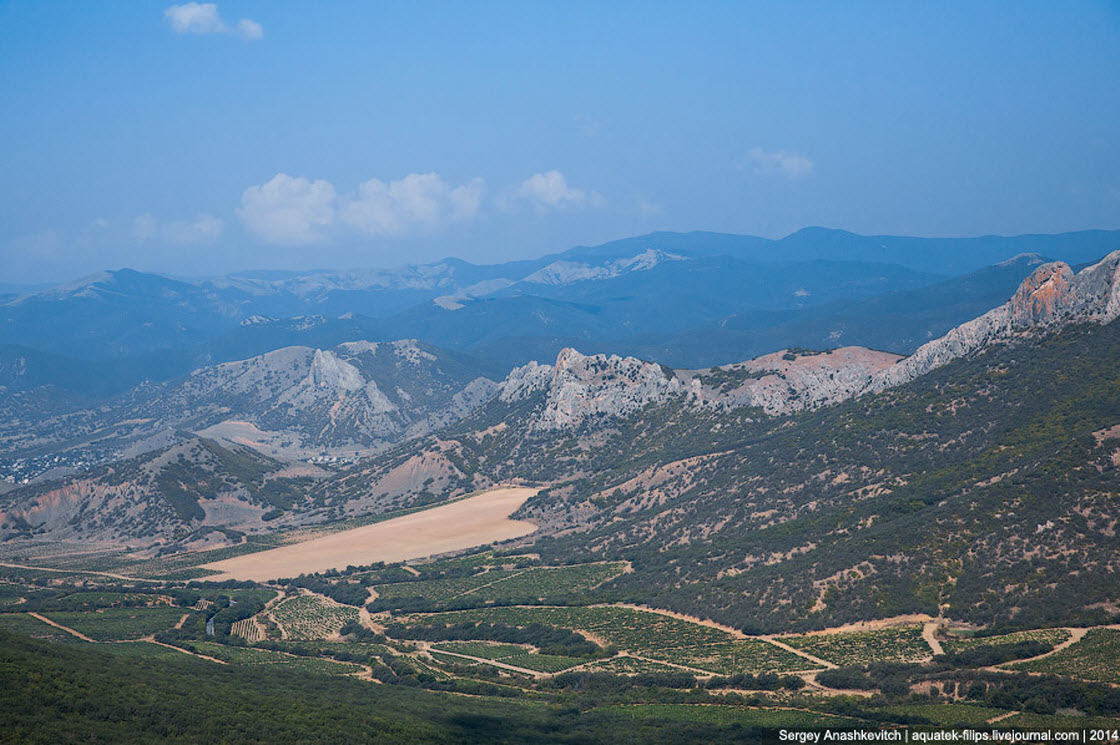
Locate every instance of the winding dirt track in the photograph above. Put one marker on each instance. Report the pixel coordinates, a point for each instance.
(451, 527)
(59, 626)
(78, 571)
(929, 633)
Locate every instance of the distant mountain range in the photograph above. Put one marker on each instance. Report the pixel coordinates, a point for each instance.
(686, 299)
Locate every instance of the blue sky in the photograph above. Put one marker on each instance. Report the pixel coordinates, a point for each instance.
(197, 139)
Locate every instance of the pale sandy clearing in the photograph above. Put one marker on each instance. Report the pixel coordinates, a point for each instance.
(452, 527)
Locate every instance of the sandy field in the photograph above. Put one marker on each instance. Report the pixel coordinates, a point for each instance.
(465, 524)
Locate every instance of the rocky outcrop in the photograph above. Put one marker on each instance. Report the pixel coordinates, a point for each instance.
(583, 387)
(359, 397)
(580, 388)
(1051, 296)
(788, 381)
(522, 382)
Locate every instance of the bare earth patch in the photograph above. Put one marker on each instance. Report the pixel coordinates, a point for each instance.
(452, 527)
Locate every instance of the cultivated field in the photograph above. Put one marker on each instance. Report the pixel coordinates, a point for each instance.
(1050, 636)
(1095, 657)
(309, 617)
(452, 527)
(630, 666)
(897, 644)
(248, 630)
(118, 623)
(659, 637)
(485, 650)
(507, 586)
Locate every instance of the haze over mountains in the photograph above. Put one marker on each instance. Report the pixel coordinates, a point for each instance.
(116, 364)
(688, 300)
(795, 490)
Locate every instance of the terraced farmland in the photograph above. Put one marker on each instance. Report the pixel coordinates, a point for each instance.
(1049, 636)
(240, 655)
(522, 656)
(143, 650)
(1095, 657)
(544, 663)
(532, 585)
(654, 635)
(728, 658)
(486, 650)
(253, 656)
(310, 617)
(895, 644)
(441, 590)
(540, 583)
(248, 630)
(623, 665)
(626, 628)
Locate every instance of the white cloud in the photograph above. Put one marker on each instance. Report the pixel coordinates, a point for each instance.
(204, 18)
(288, 210)
(250, 30)
(466, 200)
(550, 190)
(203, 229)
(195, 18)
(145, 227)
(790, 165)
(648, 208)
(418, 202)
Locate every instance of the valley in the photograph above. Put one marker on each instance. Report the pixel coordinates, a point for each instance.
(505, 626)
(845, 537)
(456, 526)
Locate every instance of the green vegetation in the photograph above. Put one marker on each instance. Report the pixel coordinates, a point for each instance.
(310, 617)
(740, 656)
(1052, 637)
(545, 663)
(626, 665)
(728, 715)
(946, 714)
(145, 650)
(487, 650)
(29, 626)
(625, 628)
(852, 512)
(896, 644)
(119, 623)
(1095, 657)
(550, 585)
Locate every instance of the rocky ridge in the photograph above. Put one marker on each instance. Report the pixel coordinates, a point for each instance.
(357, 393)
(1052, 296)
(580, 389)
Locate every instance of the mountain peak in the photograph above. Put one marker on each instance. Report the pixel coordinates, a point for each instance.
(1042, 294)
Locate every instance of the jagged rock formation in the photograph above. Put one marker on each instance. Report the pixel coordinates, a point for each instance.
(358, 394)
(1051, 296)
(580, 388)
(292, 403)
